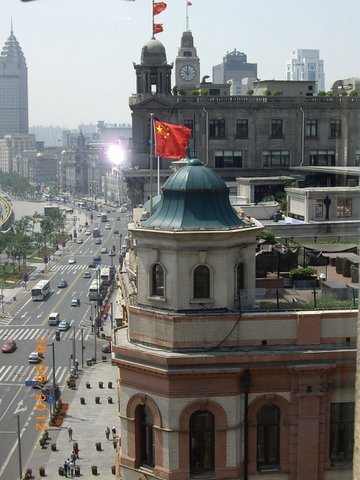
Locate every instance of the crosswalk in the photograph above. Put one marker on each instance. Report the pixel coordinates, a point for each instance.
(20, 374)
(68, 268)
(27, 333)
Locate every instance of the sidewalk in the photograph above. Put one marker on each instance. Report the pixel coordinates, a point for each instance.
(88, 422)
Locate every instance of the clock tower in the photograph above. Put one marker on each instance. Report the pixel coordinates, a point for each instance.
(187, 63)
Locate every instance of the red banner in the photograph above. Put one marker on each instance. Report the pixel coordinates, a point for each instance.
(171, 140)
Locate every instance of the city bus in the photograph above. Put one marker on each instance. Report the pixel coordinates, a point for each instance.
(41, 290)
(104, 217)
(93, 290)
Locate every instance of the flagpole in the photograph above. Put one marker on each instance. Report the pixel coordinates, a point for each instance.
(187, 15)
(158, 175)
(151, 159)
(152, 26)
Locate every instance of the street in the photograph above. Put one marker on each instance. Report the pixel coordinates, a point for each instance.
(26, 322)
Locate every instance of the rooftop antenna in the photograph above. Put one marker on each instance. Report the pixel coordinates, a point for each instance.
(11, 26)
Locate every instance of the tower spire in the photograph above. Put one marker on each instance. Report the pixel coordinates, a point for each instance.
(188, 4)
(11, 26)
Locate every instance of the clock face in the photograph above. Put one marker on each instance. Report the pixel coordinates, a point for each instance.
(187, 73)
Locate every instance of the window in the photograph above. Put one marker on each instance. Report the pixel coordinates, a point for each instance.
(344, 207)
(276, 158)
(242, 128)
(217, 128)
(239, 285)
(201, 282)
(228, 159)
(311, 129)
(319, 208)
(146, 436)
(276, 128)
(268, 441)
(341, 432)
(322, 158)
(202, 443)
(335, 128)
(157, 281)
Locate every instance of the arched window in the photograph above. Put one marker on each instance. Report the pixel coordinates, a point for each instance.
(268, 441)
(202, 442)
(146, 436)
(157, 280)
(239, 284)
(201, 282)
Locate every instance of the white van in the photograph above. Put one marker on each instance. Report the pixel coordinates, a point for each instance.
(54, 318)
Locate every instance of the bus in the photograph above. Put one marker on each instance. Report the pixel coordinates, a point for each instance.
(96, 232)
(104, 217)
(105, 277)
(41, 290)
(93, 290)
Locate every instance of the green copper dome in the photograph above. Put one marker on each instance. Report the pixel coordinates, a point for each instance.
(194, 197)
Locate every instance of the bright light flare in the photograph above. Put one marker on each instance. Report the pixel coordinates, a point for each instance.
(115, 154)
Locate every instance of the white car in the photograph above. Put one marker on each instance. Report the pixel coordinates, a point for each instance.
(71, 261)
(87, 232)
(107, 226)
(36, 357)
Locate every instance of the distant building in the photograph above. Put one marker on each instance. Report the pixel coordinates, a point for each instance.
(13, 89)
(235, 68)
(305, 64)
(11, 149)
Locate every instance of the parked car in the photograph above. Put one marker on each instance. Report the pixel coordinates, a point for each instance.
(9, 346)
(71, 261)
(36, 357)
(98, 241)
(75, 302)
(104, 250)
(64, 325)
(87, 274)
(80, 240)
(62, 284)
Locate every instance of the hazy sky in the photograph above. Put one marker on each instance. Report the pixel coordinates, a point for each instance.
(80, 53)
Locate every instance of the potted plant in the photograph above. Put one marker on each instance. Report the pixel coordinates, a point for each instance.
(98, 446)
(42, 471)
(303, 277)
(94, 469)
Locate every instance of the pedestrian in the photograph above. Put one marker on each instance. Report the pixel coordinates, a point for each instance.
(76, 450)
(65, 468)
(70, 432)
(73, 457)
(113, 432)
(107, 432)
(71, 469)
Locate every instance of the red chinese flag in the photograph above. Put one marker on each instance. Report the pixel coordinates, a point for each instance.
(157, 28)
(159, 7)
(170, 140)
(189, 4)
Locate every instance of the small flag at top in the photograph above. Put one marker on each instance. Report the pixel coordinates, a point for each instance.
(159, 7)
(157, 28)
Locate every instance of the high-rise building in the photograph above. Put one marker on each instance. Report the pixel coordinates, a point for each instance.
(13, 89)
(305, 64)
(235, 67)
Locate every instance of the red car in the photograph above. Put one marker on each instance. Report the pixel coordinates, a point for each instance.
(9, 346)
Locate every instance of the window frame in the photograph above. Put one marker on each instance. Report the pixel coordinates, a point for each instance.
(201, 442)
(228, 159)
(335, 128)
(277, 128)
(217, 128)
(311, 128)
(341, 443)
(199, 288)
(268, 439)
(276, 158)
(242, 128)
(157, 288)
(343, 207)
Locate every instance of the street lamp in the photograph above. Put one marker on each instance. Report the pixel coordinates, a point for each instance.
(52, 345)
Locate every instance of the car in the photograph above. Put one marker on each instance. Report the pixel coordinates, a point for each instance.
(87, 274)
(9, 346)
(107, 226)
(104, 250)
(116, 231)
(75, 302)
(123, 209)
(62, 284)
(97, 259)
(112, 253)
(98, 241)
(79, 241)
(106, 348)
(99, 214)
(64, 325)
(87, 232)
(71, 261)
(118, 217)
(36, 357)
(92, 265)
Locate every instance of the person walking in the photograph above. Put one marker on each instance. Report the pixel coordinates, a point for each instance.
(66, 465)
(70, 432)
(76, 449)
(107, 433)
(73, 457)
(71, 469)
(113, 432)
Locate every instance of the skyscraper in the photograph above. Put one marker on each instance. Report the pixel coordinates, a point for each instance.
(305, 64)
(13, 89)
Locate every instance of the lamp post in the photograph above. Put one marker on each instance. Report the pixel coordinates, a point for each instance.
(52, 345)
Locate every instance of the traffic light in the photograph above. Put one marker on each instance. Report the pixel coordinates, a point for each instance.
(71, 356)
(57, 336)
